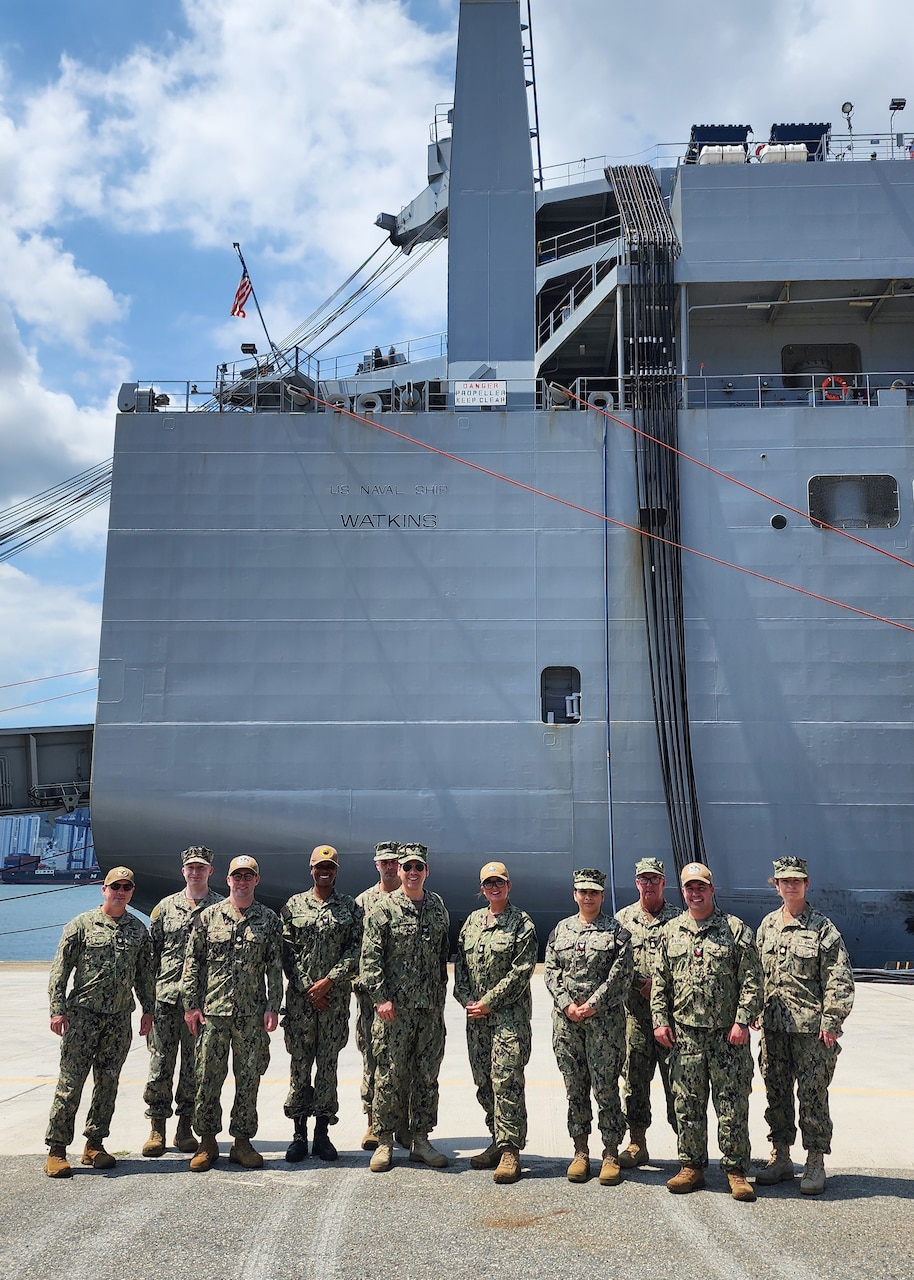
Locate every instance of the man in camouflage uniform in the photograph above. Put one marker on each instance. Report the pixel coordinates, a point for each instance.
(385, 860)
(588, 973)
(404, 970)
(107, 950)
(706, 991)
(171, 921)
(808, 993)
(321, 942)
(644, 920)
(232, 991)
(496, 956)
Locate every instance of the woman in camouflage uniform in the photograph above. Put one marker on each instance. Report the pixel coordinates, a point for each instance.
(589, 966)
(809, 991)
(496, 955)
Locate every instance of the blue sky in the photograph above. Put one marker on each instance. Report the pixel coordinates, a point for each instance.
(137, 142)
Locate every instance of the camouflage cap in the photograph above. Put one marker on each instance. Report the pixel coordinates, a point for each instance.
(197, 853)
(494, 871)
(649, 867)
(244, 862)
(119, 873)
(790, 869)
(696, 871)
(589, 878)
(386, 849)
(412, 853)
(324, 853)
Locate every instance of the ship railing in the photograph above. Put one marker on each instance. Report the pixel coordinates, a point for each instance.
(819, 389)
(577, 240)
(702, 390)
(860, 146)
(583, 286)
(427, 347)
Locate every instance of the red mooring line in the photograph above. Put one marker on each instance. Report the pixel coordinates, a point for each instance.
(621, 524)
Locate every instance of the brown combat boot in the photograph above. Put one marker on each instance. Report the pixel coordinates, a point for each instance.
(207, 1153)
(814, 1181)
(155, 1143)
(740, 1189)
(185, 1138)
(56, 1165)
(241, 1152)
(487, 1159)
(370, 1141)
(383, 1156)
(636, 1152)
(610, 1172)
(96, 1157)
(779, 1167)
(579, 1169)
(421, 1151)
(508, 1166)
(689, 1178)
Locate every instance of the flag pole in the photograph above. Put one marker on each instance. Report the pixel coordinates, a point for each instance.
(237, 247)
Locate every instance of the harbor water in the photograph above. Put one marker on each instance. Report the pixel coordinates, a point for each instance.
(32, 916)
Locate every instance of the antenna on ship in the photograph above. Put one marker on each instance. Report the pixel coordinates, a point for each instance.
(531, 84)
(247, 285)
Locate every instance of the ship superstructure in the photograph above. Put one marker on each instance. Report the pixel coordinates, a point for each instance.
(622, 569)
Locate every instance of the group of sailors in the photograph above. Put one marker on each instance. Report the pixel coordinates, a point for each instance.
(650, 988)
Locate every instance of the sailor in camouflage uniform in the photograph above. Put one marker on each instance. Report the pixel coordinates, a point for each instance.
(232, 992)
(171, 921)
(706, 991)
(808, 993)
(496, 956)
(404, 970)
(107, 951)
(321, 942)
(588, 974)
(644, 920)
(385, 861)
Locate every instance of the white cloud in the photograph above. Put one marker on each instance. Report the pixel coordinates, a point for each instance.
(59, 299)
(45, 633)
(618, 79)
(45, 436)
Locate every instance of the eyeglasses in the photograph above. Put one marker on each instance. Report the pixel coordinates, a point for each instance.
(491, 883)
(653, 880)
(124, 885)
(413, 866)
(243, 875)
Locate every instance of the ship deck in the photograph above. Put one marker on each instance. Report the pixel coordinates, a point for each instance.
(147, 1218)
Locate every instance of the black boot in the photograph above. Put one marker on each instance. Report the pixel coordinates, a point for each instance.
(297, 1149)
(322, 1147)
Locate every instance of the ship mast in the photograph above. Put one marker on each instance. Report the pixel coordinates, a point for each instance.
(491, 236)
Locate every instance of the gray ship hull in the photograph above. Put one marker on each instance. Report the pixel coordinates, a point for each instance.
(318, 631)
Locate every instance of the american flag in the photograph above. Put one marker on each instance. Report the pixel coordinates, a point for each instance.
(242, 293)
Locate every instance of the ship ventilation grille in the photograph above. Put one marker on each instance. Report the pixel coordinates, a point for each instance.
(650, 369)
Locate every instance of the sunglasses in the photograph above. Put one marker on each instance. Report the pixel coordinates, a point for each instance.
(413, 866)
(124, 885)
(243, 875)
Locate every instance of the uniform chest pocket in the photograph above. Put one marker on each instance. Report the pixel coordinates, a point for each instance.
(717, 955)
(678, 951)
(221, 938)
(804, 953)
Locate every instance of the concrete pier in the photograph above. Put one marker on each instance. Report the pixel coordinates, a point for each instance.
(153, 1218)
